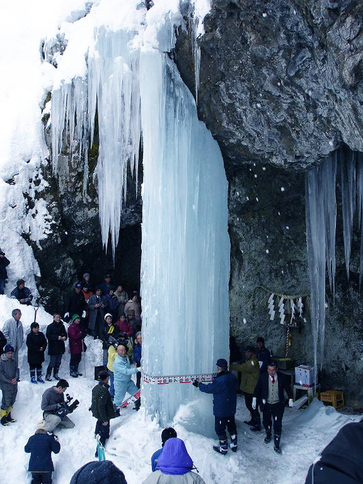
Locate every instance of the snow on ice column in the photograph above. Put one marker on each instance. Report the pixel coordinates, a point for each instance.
(185, 244)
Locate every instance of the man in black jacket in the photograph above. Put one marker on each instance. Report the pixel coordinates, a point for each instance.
(4, 262)
(56, 335)
(102, 407)
(270, 390)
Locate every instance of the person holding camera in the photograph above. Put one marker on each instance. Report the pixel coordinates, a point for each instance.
(102, 407)
(4, 262)
(55, 408)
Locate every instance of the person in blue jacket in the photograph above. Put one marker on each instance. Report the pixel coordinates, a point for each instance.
(173, 463)
(166, 434)
(137, 355)
(40, 446)
(123, 372)
(224, 388)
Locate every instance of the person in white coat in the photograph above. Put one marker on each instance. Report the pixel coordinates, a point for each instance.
(174, 466)
(122, 376)
(14, 333)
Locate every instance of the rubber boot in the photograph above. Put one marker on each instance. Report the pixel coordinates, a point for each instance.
(48, 376)
(9, 418)
(222, 448)
(55, 372)
(76, 369)
(137, 404)
(268, 437)
(39, 376)
(73, 371)
(3, 420)
(277, 439)
(233, 444)
(32, 376)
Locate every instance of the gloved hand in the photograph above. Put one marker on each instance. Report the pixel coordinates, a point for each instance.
(66, 315)
(196, 383)
(263, 401)
(138, 368)
(62, 412)
(291, 402)
(254, 403)
(83, 314)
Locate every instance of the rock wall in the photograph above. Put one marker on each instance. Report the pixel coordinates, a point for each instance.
(281, 89)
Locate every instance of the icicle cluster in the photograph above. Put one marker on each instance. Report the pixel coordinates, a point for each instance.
(110, 91)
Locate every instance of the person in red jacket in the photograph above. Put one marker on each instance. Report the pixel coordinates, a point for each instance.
(76, 345)
(124, 326)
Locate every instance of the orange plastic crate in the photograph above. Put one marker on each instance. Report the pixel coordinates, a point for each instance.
(333, 397)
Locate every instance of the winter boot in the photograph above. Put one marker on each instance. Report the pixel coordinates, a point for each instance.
(233, 444)
(73, 371)
(55, 372)
(277, 439)
(222, 448)
(248, 422)
(137, 404)
(9, 418)
(76, 369)
(32, 376)
(39, 375)
(268, 437)
(48, 376)
(3, 420)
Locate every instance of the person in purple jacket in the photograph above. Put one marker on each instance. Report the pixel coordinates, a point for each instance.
(174, 462)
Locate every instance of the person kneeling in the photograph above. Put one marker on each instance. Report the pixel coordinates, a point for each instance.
(54, 407)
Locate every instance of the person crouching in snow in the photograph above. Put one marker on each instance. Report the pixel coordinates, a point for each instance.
(174, 465)
(40, 446)
(224, 390)
(36, 344)
(122, 376)
(102, 407)
(8, 384)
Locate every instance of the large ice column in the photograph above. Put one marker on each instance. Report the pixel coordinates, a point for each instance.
(185, 244)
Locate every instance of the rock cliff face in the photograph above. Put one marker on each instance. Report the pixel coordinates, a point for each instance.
(280, 89)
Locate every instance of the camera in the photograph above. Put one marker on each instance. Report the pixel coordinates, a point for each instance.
(71, 406)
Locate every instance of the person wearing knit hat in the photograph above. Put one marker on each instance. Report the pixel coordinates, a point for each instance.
(102, 407)
(8, 384)
(76, 345)
(173, 463)
(224, 390)
(99, 472)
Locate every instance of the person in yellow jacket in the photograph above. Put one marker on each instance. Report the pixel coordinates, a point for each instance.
(250, 374)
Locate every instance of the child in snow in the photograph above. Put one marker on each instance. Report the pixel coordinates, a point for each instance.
(40, 446)
(36, 343)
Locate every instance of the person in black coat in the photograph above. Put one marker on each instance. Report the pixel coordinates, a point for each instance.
(4, 262)
(56, 335)
(76, 303)
(22, 293)
(3, 342)
(40, 446)
(102, 407)
(341, 461)
(36, 344)
(263, 354)
(99, 472)
(270, 390)
(224, 390)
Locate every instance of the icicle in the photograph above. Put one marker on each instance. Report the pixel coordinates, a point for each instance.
(282, 311)
(360, 212)
(348, 188)
(271, 307)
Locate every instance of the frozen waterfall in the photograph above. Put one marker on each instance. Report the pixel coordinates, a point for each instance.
(135, 90)
(185, 245)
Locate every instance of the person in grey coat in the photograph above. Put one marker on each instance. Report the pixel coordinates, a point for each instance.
(52, 404)
(8, 384)
(96, 304)
(14, 333)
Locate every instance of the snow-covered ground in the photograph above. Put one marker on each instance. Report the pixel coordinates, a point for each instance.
(134, 437)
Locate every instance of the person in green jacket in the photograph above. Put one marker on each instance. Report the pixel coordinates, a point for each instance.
(250, 374)
(102, 407)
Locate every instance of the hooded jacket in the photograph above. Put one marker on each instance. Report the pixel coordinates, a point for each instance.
(224, 390)
(174, 466)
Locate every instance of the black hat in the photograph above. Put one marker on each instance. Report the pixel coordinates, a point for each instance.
(8, 349)
(168, 434)
(222, 363)
(99, 472)
(103, 375)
